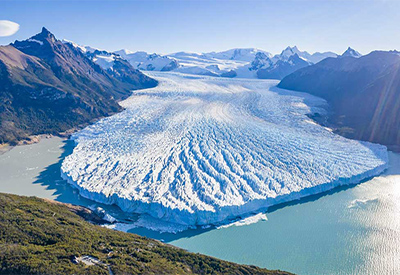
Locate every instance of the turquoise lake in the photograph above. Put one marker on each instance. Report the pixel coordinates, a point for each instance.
(353, 230)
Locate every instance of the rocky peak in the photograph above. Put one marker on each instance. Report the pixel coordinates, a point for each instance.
(351, 52)
(44, 35)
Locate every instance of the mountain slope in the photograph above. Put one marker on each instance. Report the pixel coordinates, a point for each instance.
(44, 237)
(312, 58)
(283, 67)
(119, 68)
(71, 65)
(364, 93)
(290, 60)
(50, 87)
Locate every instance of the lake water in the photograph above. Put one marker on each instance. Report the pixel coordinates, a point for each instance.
(348, 231)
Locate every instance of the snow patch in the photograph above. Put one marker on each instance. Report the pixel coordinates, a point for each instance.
(35, 41)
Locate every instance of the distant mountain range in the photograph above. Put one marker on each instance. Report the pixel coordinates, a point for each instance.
(47, 86)
(239, 62)
(363, 92)
(247, 63)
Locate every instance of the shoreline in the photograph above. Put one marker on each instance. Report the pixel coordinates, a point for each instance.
(65, 135)
(5, 147)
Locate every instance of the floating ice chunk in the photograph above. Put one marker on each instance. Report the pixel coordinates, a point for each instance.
(361, 203)
(247, 221)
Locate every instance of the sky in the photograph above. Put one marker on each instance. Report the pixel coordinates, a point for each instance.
(204, 26)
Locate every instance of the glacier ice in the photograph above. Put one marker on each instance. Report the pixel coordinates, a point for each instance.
(200, 150)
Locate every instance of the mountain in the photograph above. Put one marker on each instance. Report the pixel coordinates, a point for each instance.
(261, 60)
(45, 237)
(237, 62)
(213, 64)
(66, 60)
(49, 87)
(239, 54)
(351, 52)
(113, 63)
(282, 67)
(312, 58)
(149, 62)
(288, 61)
(364, 94)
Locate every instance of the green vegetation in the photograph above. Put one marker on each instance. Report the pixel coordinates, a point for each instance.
(44, 237)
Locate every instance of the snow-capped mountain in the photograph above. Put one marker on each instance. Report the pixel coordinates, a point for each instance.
(266, 66)
(247, 63)
(113, 63)
(261, 60)
(237, 62)
(312, 58)
(149, 62)
(283, 67)
(247, 54)
(351, 52)
(290, 51)
(47, 86)
(102, 58)
(83, 49)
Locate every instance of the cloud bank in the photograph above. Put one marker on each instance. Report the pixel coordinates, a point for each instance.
(8, 28)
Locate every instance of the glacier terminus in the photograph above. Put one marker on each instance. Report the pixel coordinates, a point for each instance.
(200, 150)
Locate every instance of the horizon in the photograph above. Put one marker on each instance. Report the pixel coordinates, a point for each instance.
(183, 27)
(233, 48)
(129, 51)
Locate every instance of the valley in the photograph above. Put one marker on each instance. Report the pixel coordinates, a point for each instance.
(268, 159)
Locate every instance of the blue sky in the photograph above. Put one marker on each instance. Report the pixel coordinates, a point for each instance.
(201, 26)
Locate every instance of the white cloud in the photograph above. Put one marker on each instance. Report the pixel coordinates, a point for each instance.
(8, 28)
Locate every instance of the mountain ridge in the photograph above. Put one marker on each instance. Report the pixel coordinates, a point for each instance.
(48, 87)
(235, 62)
(363, 93)
(243, 62)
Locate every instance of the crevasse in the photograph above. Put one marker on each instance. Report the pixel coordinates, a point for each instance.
(200, 150)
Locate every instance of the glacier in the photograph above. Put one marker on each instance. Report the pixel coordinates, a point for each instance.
(200, 150)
